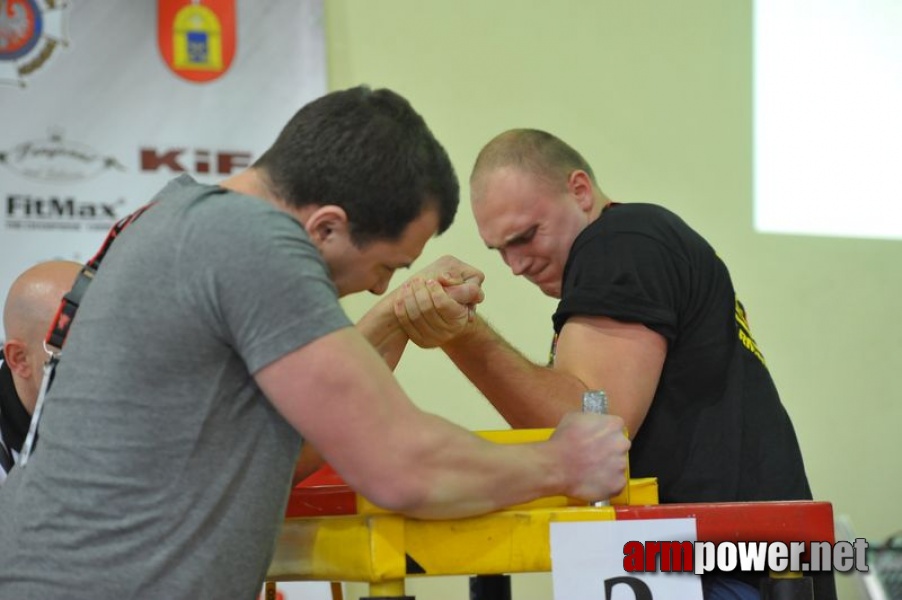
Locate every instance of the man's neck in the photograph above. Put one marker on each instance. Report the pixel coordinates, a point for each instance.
(254, 182)
(251, 182)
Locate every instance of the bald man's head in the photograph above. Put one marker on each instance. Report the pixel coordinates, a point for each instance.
(533, 151)
(30, 305)
(531, 196)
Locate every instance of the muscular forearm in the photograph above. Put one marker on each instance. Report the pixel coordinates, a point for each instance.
(526, 394)
(380, 327)
(409, 461)
(460, 474)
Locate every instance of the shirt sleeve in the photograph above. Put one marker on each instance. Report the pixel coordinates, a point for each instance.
(259, 282)
(627, 276)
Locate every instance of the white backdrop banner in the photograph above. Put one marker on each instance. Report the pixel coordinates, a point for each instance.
(104, 101)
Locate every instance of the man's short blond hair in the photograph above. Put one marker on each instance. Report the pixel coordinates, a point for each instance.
(534, 151)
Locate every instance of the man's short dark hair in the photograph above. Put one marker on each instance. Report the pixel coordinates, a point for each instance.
(369, 152)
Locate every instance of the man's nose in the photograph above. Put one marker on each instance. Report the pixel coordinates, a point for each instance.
(380, 288)
(517, 262)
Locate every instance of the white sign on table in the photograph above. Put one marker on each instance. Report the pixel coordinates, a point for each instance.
(587, 560)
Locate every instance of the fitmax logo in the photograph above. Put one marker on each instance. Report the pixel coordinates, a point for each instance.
(21, 206)
(181, 160)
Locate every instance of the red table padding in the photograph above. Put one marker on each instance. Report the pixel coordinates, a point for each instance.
(324, 493)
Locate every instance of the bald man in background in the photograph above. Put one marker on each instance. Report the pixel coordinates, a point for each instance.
(30, 305)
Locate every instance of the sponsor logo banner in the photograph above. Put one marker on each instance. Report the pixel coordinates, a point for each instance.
(106, 101)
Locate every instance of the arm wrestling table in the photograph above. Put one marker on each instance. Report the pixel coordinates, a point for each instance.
(332, 534)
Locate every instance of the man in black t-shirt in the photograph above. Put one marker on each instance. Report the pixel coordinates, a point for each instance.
(647, 313)
(30, 304)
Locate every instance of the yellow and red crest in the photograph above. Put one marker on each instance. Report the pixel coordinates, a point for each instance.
(197, 38)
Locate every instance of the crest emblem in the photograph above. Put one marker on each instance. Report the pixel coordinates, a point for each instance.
(197, 38)
(29, 36)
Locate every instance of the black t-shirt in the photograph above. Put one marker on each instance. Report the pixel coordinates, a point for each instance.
(14, 419)
(716, 430)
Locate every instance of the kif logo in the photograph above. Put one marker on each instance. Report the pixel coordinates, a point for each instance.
(29, 36)
(197, 39)
(200, 161)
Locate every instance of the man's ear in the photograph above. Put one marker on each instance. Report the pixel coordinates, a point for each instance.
(15, 354)
(325, 223)
(580, 185)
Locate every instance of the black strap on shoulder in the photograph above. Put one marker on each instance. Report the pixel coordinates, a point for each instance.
(59, 327)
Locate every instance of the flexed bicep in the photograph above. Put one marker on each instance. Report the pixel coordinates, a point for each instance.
(624, 359)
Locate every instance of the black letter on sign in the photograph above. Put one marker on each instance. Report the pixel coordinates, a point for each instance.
(640, 589)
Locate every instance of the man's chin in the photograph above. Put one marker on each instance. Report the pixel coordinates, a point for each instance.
(550, 289)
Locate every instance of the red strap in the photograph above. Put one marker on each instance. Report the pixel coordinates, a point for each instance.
(59, 327)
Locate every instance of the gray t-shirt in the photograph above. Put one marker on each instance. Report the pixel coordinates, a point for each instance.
(161, 470)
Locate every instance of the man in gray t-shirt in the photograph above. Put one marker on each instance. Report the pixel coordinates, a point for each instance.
(211, 342)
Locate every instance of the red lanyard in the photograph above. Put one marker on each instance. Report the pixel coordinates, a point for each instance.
(59, 327)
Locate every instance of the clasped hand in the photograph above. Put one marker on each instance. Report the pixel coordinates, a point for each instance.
(436, 304)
